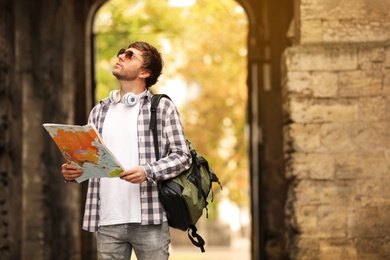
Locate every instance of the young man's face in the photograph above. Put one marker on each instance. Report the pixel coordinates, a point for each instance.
(129, 64)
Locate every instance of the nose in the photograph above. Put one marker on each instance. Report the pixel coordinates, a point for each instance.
(121, 56)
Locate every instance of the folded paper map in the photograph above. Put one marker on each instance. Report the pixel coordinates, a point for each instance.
(82, 146)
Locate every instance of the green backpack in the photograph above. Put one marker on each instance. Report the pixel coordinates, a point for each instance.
(184, 197)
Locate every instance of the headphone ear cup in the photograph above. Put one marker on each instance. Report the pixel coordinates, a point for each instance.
(130, 99)
(115, 96)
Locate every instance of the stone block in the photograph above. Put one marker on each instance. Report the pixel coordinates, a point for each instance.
(315, 84)
(306, 249)
(373, 109)
(335, 193)
(359, 83)
(369, 222)
(306, 220)
(342, 31)
(373, 192)
(370, 135)
(360, 165)
(367, 55)
(306, 193)
(332, 9)
(368, 248)
(377, 10)
(303, 138)
(354, 136)
(311, 165)
(321, 58)
(354, 31)
(312, 31)
(337, 137)
(332, 221)
(324, 84)
(337, 249)
(299, 82)
(305, 110)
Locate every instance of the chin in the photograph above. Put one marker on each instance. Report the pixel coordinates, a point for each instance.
(115, 73)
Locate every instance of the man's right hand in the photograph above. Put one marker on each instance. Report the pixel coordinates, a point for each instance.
(71, 172)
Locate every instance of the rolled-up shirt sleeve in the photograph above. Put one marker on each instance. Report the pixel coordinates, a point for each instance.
(174, 156)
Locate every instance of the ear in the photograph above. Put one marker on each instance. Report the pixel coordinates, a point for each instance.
(144, 74)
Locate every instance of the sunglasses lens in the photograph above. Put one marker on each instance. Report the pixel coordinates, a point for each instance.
(120, 52)
(129, 55)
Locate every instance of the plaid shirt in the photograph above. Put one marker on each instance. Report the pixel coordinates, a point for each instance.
(172, 142)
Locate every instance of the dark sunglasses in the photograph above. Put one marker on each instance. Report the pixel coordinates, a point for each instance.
(128, 54)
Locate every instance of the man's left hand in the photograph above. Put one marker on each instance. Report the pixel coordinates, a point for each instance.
(134, 175)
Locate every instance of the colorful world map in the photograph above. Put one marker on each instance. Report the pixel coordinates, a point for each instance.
(78, 150)
(81, 146)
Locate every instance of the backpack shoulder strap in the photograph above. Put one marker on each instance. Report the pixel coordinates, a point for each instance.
(153, 120)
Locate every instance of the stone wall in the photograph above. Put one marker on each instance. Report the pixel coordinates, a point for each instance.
(336, 83)
(10, 147)
(42, 79)
(337, 145)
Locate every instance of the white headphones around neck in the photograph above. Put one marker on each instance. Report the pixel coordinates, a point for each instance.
(129, 99)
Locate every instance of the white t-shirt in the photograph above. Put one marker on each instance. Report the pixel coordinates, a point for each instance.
(120, 200)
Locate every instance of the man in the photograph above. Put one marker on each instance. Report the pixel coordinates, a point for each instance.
(126, 211)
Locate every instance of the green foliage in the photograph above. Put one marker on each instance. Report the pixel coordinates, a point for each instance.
(204, 44)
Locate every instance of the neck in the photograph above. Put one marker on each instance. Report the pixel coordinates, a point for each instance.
(132, 86)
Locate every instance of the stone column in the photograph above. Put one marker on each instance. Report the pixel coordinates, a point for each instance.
(336, 130)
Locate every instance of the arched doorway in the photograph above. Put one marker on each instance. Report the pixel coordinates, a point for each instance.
(210, 53)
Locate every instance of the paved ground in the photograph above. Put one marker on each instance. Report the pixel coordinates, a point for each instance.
(239, 249)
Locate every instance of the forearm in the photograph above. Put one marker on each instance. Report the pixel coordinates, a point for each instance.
(168, 167)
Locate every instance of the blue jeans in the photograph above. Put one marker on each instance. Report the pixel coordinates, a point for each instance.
(150, 242)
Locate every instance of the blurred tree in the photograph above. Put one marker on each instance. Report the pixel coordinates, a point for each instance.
(204, 49)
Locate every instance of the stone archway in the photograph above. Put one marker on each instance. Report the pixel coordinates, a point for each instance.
(211, 226)
(267, 40)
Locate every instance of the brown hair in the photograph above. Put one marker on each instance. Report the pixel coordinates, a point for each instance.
(152, 61)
